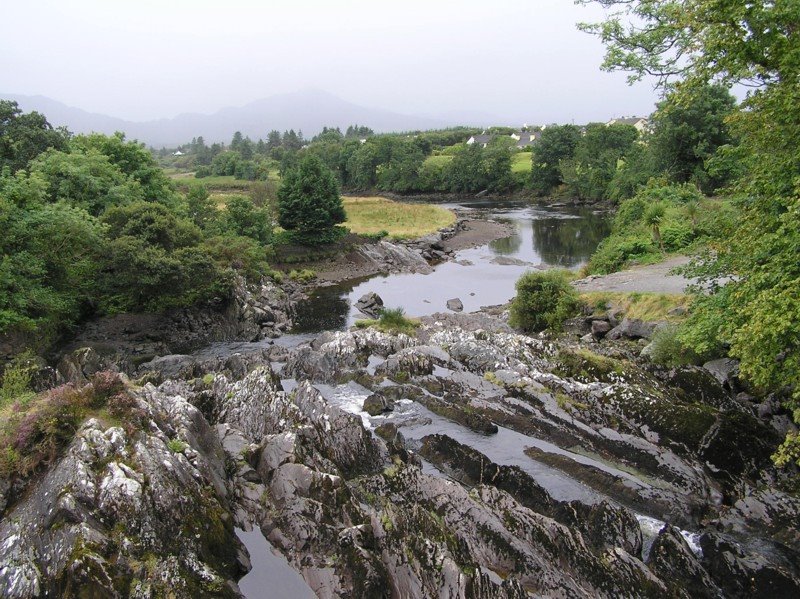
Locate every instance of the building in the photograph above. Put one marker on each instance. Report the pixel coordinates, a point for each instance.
(526, 139)
(483, 139)
(639, 122)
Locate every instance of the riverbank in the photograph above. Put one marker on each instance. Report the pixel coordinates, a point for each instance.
(650, 278)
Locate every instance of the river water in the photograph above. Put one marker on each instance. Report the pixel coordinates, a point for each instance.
(483, 276)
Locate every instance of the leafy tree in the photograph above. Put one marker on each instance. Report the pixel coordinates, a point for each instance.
(23, 136)
(246, 220)
(756, 313)
(199, 207)
(688, 131)
(590, 171)
(88, 180)
(309, 201)
(133, 160)
(557, 143)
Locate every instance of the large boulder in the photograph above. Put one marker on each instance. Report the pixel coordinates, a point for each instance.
(370, 304)
(632, 328)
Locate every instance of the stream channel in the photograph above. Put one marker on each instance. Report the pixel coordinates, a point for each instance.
(544, 237)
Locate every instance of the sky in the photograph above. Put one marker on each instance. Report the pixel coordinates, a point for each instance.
(519, 60)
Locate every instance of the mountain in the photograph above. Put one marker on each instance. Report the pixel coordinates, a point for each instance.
(307, 110)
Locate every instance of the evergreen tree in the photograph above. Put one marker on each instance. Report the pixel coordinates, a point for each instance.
(309, 201)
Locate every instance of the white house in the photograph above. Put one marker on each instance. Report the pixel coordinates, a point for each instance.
(640, 122)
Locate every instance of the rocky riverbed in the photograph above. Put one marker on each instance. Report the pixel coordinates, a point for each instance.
(486, 464)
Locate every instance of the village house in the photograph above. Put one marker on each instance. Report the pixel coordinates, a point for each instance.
(639, 122)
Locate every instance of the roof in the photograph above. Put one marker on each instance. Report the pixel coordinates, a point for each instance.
(484, 138)
(628, 120)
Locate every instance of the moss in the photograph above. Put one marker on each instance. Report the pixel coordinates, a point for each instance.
(588, 366)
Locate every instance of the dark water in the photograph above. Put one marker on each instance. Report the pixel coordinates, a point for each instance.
(543, 238)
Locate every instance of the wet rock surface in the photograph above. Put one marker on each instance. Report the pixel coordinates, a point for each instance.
(464, 461)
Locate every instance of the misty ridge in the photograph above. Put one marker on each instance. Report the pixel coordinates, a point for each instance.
(307, 110)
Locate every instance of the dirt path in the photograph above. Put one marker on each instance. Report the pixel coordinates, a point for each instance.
(651, 278)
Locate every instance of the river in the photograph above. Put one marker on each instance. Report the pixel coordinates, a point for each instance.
(483, 276)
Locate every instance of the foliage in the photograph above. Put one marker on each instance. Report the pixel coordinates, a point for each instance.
(305, 275)
(309, 202)
(23, 136)
(655, 220)
(16, 380)
(391, 320)
(667, 348)
(241, 217)
(688, 130)
(756, 313)
(544, 300)
(475, 168)
(591, 169)
(34, 433)
(557, 143)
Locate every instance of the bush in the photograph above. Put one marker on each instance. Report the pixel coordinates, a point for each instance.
(667, 348)
(614, 252)
(305, 275)
(391, 320)
(676, 236)
(543, 300)
(36, 432)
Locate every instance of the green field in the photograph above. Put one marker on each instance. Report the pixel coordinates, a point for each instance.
(369, 216)
(438, 160)
(521, 163)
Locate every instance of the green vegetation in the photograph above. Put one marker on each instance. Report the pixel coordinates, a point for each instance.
(544, 300)
(91, 225)
(375, 215)
(755, 315)
(305, 275)
(309, 202)
(641, 306)
(662, 218)
(34, 431)
(668, 349)
(391, 320)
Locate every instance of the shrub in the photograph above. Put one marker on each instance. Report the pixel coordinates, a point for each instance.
(614, 252)
(36, 432)
(666, 348)
(16, 380)
(391, 320)
(543, 300)
(676, 236)
(305, 275)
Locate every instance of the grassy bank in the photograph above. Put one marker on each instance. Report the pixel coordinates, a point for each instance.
(660, 221)
(373, 215)
(642, 306)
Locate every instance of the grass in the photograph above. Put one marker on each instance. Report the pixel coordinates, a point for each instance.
(391, 320)
(642, 306)
(521, 163)
(438, 160)
(217, 183)
(372, 215)
(221, 199)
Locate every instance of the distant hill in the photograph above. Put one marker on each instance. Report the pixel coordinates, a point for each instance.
(308, 111)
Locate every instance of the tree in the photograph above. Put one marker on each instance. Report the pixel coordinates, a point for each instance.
(557, 143)
(597, 156)
(685, 44)
(23, 136)
(309, 201)
(653, 217)
(688, 131)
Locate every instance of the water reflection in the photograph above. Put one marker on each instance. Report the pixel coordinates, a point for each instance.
(506, 246)
(567, 242)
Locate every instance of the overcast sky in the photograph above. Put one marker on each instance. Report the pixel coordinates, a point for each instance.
(521, 60)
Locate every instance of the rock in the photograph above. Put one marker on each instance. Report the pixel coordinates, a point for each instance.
(370, 304)
(678, 311)
(726, 371)
(376, 404)
(631, 328)
(672, 561)
(746, 574)
(600, 328)
(455, 305)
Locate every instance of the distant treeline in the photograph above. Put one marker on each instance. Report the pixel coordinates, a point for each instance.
(592, 163)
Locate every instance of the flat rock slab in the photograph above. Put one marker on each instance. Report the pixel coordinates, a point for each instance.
(653, 278)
